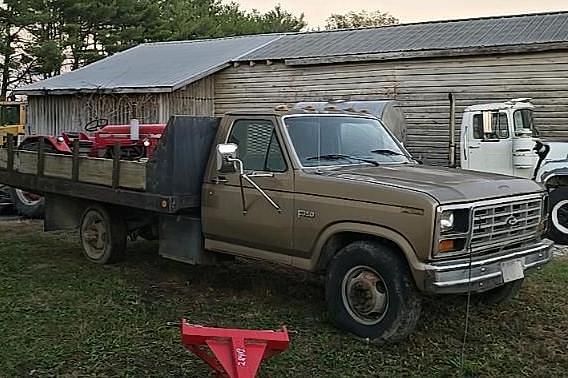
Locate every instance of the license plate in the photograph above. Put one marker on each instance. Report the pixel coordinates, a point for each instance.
(512, 270)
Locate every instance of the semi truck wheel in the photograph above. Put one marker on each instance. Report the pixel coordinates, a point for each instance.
(27, 204)
(103, 235)
(558, 219)
(371, 294)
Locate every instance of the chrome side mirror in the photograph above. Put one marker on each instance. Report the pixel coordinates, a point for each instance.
(226, 157)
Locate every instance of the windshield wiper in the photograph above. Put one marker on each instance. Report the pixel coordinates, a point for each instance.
(342, 156)
(387, 152)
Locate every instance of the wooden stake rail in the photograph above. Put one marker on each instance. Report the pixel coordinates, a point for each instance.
(113, 181)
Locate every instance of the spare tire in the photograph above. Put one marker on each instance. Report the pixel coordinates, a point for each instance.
(28, 204)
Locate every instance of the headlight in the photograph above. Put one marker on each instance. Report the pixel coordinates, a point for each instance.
(447, 221)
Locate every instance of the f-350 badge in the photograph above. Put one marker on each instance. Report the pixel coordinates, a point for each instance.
(306, 213)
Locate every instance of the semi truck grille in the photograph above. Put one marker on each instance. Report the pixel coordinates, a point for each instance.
(502, 223)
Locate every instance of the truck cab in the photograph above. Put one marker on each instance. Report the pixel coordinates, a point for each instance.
(499, 138)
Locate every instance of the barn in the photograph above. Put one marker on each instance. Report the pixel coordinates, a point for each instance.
(478, 60)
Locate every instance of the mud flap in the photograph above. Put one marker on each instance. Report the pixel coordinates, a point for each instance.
(181, 240)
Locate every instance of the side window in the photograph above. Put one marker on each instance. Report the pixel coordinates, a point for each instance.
(258, 145)
(498, 129)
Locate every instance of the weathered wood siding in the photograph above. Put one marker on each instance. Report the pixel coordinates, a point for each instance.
(420, 86)
(52, 114)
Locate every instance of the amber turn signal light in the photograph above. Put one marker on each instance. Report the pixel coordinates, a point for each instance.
(446, 246)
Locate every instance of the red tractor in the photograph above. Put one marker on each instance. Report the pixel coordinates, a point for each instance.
(136, 141)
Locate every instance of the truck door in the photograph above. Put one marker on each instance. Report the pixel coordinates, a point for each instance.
(488, 145)
(258, 227)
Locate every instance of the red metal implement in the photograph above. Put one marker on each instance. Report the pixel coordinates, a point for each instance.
(234, 353)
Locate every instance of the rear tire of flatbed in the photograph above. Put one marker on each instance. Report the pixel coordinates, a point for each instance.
(103, 235)
(371, 294)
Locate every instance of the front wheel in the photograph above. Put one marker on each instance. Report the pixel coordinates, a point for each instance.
(558, 218)
(371, 294)
(103, 235)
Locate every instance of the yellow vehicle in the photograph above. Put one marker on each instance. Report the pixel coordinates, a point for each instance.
(12, 119)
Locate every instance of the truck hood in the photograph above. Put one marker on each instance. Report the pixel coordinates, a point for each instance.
(446, 185)
(558, 151)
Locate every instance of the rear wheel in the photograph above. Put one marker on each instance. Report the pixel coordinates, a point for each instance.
(558, 219)
(28, 204)
(103, 235)
(371, 294)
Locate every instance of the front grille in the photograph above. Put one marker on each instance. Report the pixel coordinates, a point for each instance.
(505, 223)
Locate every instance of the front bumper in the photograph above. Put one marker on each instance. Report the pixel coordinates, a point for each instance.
(454, 277)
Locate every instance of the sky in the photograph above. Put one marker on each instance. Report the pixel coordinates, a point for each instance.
(316, 11)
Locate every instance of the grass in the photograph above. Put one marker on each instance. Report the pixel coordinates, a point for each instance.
(60, 315)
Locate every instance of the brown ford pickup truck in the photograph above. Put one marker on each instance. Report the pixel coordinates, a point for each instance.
(326, 191)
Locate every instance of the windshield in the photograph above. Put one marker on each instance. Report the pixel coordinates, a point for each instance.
(334, 140)
(523, 120)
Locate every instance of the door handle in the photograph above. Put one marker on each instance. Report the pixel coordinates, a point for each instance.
(220, 180)
(472, 147)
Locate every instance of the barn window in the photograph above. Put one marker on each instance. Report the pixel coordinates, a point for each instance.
(258, 145)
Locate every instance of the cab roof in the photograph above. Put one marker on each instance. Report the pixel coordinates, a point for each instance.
(518, 103)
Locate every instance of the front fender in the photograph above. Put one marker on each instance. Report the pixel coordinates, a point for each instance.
(371, 230)
(552, 171)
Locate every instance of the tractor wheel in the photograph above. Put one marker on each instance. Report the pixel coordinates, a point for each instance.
(28, 204)
(558, 219)
(103, 235)
(371, 294)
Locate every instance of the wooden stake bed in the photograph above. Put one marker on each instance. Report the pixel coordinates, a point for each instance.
(87, 178)
(168, 183)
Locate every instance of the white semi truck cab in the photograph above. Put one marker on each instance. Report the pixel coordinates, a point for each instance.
(502, 138)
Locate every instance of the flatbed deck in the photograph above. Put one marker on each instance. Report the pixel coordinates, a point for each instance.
(87, 178)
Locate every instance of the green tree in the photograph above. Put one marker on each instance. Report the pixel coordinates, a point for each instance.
(15, 62)
(45, 37)
(194, 19)
(361, 19)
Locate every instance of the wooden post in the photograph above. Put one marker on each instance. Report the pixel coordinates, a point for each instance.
(41, 157)
(116, 166)
(75, 166)
(10, 145)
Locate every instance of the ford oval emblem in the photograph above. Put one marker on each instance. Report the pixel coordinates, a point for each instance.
(512, 221)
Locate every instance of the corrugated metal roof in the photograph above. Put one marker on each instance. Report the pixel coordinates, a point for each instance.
(167, 66)
(440, 35)
(160, 67)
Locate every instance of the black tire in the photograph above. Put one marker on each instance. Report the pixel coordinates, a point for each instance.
(28, 205)
(149, 232)
(348, 297)
(500, 295)
(558, 217)
(103, 235)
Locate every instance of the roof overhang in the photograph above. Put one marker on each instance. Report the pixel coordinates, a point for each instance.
(121, 90)
(423, 54)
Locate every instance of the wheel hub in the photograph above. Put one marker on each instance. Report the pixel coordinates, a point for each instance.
(94, 236)
(365, 295)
